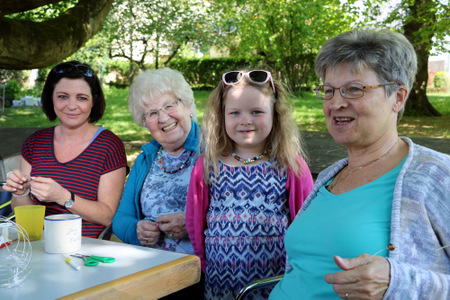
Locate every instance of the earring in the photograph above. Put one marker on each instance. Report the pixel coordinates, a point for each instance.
(191, 116)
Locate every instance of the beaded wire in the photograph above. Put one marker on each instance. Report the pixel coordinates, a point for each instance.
(163, 168)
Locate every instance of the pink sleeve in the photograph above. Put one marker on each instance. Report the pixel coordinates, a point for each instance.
(299, 187)
(196, 207)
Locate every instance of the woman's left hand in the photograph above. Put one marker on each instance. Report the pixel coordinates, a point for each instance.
(48, 190)
(364, 277)
(173, 225)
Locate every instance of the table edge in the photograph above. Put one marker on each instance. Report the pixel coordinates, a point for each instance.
(131, 285)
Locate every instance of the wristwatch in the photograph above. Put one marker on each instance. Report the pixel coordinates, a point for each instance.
(71, 202)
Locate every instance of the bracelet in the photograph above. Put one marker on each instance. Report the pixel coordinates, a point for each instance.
(23, 195)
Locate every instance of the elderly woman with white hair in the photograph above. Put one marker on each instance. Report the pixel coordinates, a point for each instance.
(152, 209)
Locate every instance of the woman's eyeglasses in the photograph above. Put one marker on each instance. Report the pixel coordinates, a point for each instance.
(83, 69)
(153, 115)
(255, 76)
(349, 90)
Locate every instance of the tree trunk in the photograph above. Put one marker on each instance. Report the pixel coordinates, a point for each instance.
(418, 104)
(28, 45)
(157, 53)
(415, 29)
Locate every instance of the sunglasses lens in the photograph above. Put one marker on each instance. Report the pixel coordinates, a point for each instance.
(258, 76)
(63, 68)
(85, 70)
(232, 77)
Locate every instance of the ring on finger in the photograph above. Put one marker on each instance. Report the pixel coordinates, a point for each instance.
(7, 174)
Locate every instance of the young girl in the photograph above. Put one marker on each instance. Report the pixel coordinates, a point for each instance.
(248, 186)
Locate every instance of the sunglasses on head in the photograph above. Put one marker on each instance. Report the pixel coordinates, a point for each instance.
(255, 76)
(83, 69)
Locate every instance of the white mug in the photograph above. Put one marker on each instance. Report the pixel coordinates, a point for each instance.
(62, 233)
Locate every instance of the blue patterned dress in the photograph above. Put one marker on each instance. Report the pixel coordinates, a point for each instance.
(246, 222)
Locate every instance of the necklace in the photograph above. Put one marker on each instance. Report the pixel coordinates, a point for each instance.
(340, 177)
(248, 160)
(159, 157)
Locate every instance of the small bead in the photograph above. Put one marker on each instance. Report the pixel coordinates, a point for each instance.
(391, 247)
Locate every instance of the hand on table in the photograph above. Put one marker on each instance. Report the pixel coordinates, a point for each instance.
(148, 232)
(364, 277)
(173, 225)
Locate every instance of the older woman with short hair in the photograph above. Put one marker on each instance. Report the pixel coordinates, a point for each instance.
(152, 209)
(376, 224)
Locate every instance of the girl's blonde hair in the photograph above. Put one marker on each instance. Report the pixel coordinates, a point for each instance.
(284, 141)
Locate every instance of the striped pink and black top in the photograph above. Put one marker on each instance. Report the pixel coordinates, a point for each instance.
(81, 175)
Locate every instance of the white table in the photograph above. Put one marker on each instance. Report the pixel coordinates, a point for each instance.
(138, 272)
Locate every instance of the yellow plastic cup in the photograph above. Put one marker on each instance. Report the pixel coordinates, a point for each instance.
(31, 219)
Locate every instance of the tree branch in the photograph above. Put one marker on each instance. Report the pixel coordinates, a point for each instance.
(8, 7)
(27, 45)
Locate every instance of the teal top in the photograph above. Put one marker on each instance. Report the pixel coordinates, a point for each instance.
(346, 225)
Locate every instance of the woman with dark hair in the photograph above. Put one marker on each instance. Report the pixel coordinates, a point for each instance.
(74, 167)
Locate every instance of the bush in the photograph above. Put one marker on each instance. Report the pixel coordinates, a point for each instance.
(205, 73)
(118, 73)
(12, 89)
(442, 80)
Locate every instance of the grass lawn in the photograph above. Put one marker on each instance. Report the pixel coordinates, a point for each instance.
(307, 112)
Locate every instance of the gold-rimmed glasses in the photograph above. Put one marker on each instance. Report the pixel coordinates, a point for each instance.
(349, 90)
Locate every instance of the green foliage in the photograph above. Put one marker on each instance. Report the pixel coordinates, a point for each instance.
(206, 72)
(12, 89)
(442, 80)
(118, 73)
(287, 34)
(93, 53)
(7, 76)
(40, 81)
(142, 30)
(44, 12)
(432, 19)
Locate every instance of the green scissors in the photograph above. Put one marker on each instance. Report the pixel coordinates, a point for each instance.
(92, 260)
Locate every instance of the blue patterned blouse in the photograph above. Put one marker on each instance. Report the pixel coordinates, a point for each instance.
(246, 223)
(164, 193)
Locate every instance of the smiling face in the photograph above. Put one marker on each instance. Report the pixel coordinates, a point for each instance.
(72, 102)
(248, 119)
(363, 121)
(170, 130)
